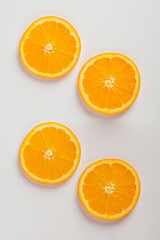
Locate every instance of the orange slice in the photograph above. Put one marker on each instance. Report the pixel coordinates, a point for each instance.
(50, 153)
(50, 47)
(109, 189)
(109, 83)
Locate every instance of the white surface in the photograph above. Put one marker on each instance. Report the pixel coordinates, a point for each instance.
(30, 211)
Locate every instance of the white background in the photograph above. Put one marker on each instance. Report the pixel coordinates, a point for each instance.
(31, 211)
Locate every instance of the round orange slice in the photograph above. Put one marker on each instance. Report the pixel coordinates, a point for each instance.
(109, 83)
(109, 189)
(50, 153)
(50, 47)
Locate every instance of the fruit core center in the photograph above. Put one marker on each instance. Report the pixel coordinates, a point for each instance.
(109, 82)
(49, 48)
(109, 188)
(49, 154)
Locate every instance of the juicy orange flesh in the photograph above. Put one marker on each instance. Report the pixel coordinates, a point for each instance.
(50, 47)
(55, 165)
(120, 87)
(102, 176)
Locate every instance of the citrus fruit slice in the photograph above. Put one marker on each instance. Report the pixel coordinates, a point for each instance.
(50, 153)
(109, 189)
(109, 83)
(50, 47)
